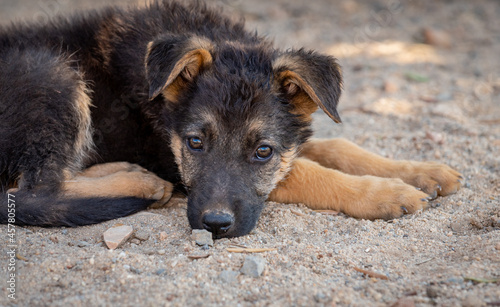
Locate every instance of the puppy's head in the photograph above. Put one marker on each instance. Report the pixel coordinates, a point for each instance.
(235, 115)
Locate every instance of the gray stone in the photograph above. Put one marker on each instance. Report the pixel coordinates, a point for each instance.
(202, 237)
(229, 276)
(141, 235)
(253, 266)
(459, 226)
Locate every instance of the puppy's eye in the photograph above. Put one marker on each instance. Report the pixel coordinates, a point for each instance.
(263, 153)
(194, 143)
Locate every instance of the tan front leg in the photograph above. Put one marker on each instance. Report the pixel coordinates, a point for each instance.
(433, 178)
(367, 197)
(120, 179)
(104, 169)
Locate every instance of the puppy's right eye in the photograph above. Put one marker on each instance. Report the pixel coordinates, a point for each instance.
(194, 143)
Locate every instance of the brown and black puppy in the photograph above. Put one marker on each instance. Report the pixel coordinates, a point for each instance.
(192, 98)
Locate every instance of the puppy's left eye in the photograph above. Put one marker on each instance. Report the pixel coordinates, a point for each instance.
(263, 153)
(195, 143)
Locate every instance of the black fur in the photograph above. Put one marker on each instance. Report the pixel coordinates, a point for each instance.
(43, 210)
(41, 68)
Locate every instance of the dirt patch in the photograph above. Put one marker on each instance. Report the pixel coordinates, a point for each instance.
(403, 99)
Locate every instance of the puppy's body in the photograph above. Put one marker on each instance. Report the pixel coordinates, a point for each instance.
(190, 96)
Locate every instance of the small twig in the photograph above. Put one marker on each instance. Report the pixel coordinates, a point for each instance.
(198, 256)
(481, 280)
(20, 257)
(250, 250)
(371, 274)
(297, 212)
(238, 245)
(410, 293)
(327, 212)
(425, 261)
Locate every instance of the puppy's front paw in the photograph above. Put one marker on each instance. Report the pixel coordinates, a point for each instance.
(433, 178)
(384, 198)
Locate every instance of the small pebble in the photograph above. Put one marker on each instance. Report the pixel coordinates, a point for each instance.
(404, 302)
(116, 236)
(253, 266)
(390, 87)
(436, 137)
(432, 292)
(229, 276)
(472, 301)
(163, 236)
(444, 96)
(141, 235)
(161, 252)
(202, 237)
(83, 244)
(459, 226)
(437, 38)
(497, 247)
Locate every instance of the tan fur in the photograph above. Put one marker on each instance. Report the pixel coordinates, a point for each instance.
(255, 125)
(188, 67)
(84, 144)
(119, 179)
(101, 170)
(359, 196)
(286, 164)
(349, 179)
(176, 144)
(347, 157)
(185, 164)
(305, 101)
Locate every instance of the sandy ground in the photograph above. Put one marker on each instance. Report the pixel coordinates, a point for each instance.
(403, 99)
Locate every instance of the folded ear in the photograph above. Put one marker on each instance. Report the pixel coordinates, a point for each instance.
(172, 62)
(309, 80)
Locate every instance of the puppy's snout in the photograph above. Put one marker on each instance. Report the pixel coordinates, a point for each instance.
(217, 222)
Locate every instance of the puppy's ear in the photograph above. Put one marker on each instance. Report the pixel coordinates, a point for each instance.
(172, 62)
(308, 80)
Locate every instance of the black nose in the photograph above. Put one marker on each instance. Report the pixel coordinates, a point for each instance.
(217, 222)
